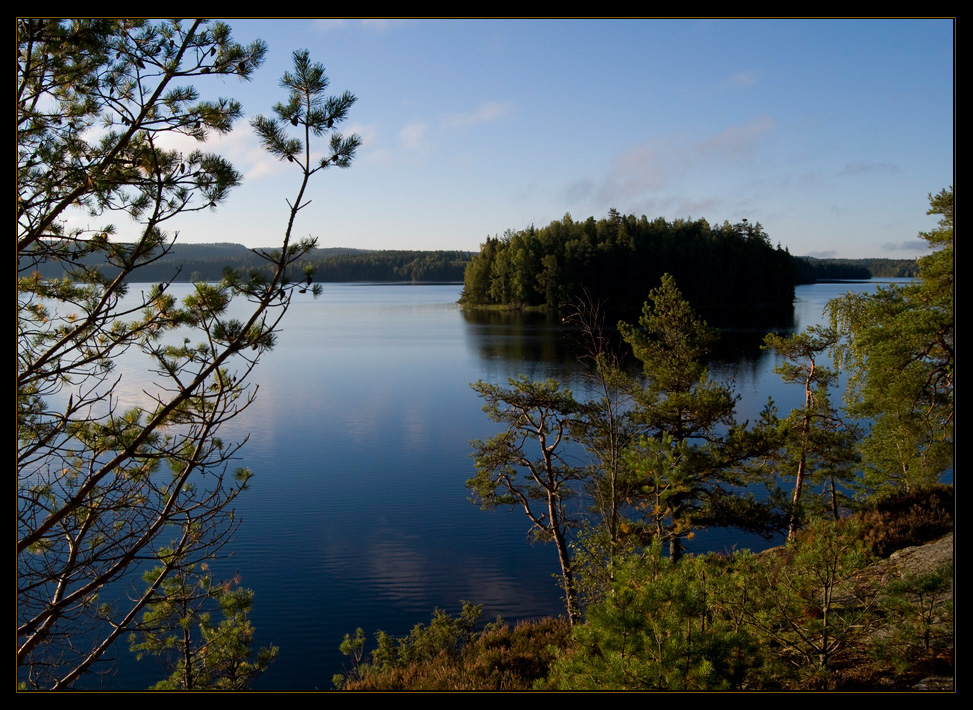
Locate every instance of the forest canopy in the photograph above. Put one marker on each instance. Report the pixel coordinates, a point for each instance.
(619, 258)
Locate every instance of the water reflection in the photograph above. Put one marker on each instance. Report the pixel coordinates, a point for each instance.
(359, 437)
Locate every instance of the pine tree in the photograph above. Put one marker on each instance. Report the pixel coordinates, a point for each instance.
(658, 629)
(203, 652)
(106, 481)
(898, 347)
(510, 471)
(680, 410)
(817, 446)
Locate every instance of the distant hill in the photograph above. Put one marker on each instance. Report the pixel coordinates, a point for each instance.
(810, 269)
(206, 262)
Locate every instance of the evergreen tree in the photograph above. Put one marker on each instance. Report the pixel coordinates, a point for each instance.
(203, 653)
(804, 604)
(511, 472)
(659, 628)
(816, 445)
(899, 349)
(106, 482)
(681, 410)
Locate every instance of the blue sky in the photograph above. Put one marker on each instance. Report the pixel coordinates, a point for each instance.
(831, 133)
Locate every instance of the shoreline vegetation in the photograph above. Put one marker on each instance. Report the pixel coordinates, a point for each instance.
(207, 262)
(617, 259)
(879, 618)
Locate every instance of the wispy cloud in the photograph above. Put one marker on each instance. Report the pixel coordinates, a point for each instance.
(913, 245)
(579, 190)
(242, 148)
(862, 167)
(696, 207)
(734, 142)
(742, 79)
(413, 136)
(659, 163)
(486, 112)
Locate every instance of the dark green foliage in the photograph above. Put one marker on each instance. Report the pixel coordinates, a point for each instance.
(919, 611)
(450, 655)
(615, 259)
(810, 269)
(689, 464)
(308, 106)
(804, 605)
(899, 349)
(811, 615)
(206, 262)
(658, 629)
(388, 265)
(180, 625)
(816, 446)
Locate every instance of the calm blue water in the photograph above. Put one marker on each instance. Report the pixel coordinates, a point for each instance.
(359, 514)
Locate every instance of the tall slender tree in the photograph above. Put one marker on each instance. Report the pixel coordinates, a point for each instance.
(526, 466)
(606, 430)
(108, 483)
(816, 443)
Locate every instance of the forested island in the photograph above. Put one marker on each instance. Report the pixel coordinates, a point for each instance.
(619, 258)
(546, 267)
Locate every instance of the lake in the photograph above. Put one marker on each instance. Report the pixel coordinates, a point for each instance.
(358, 514)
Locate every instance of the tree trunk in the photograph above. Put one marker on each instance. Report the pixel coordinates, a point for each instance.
(564, 557)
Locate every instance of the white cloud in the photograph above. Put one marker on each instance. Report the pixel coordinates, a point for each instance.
(372, 148)
(413, 136)
(367, 133)
(242, 148)
(486, 112)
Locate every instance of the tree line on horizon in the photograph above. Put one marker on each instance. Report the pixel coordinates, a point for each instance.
(208, 262)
